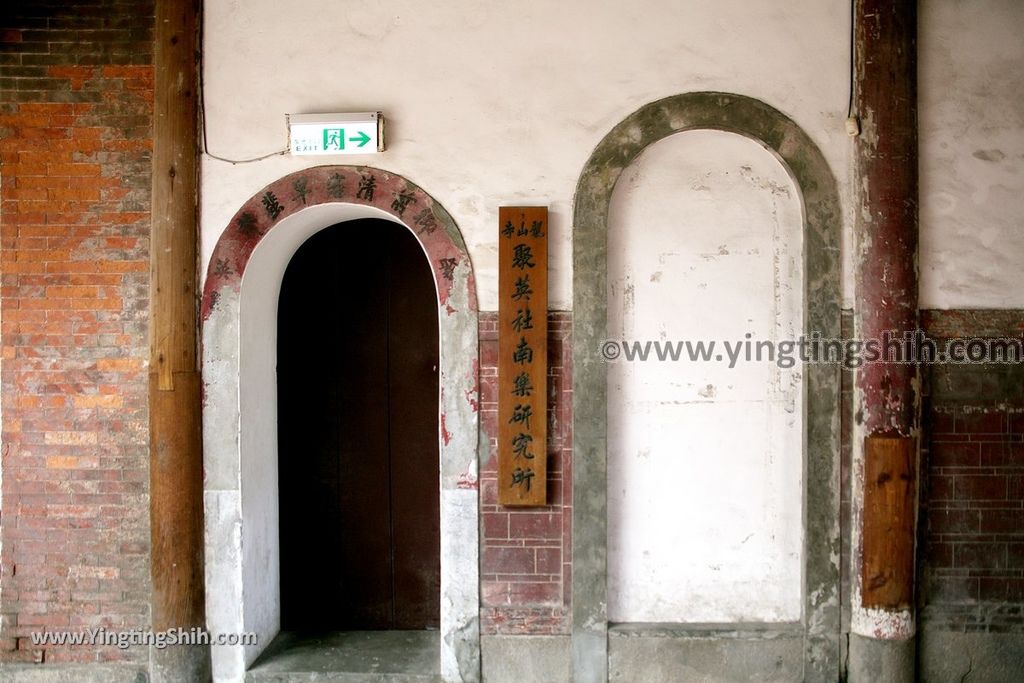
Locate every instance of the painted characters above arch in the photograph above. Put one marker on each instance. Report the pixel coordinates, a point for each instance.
(360, 185)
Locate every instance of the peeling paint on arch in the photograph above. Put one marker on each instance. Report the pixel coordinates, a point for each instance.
(361, 185)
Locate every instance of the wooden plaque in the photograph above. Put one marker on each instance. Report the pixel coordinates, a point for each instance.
(522, 355)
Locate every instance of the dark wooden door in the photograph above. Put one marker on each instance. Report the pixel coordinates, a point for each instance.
(358, 454)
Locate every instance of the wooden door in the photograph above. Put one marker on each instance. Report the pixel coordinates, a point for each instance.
(358, 454)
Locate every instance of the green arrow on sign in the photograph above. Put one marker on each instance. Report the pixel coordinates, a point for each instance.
(362, 139)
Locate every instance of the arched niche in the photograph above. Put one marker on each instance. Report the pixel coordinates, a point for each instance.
(819, 625)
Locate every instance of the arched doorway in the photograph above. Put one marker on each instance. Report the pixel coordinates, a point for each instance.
(357, 361)
(239, 310)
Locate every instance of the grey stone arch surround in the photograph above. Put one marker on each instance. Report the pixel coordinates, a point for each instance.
(820, 625)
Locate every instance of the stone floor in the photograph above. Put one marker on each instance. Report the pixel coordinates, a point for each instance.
(351, 656)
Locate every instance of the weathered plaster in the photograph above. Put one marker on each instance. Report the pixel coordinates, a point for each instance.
(705, 244)
(491, 104)
(239, 333)
(970, 122)
(822, 226)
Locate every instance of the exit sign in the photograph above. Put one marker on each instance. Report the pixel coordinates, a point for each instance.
(336, 133)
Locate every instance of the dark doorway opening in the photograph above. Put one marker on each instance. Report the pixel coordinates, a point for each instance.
(358, 453)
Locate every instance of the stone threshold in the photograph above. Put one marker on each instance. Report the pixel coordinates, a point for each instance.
(351, 657)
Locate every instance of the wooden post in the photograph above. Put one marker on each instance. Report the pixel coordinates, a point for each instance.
(887, 410)
(176, 473)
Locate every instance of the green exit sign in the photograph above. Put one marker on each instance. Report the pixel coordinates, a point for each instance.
(336, 133)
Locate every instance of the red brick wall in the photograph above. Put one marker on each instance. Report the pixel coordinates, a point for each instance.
(972, 514)
(75, 122)
(525, 553)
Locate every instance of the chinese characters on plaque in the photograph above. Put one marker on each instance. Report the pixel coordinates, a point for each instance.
(522, 355)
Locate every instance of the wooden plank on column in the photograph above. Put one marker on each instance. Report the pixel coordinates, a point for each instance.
(888, 523)
(176, 504)
(522, 355)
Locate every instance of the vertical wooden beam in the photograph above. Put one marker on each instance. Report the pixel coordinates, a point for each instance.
(176, 505)
(886, 215)
(888, 403)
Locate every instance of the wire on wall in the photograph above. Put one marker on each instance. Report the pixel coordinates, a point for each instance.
(852, 123)
(853, 55)
(202, 103)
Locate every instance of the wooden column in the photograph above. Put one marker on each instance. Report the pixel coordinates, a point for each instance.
(176, 472)
(887, 411)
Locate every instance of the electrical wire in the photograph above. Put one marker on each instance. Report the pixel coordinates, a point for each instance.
(202, 103)
(853, 56)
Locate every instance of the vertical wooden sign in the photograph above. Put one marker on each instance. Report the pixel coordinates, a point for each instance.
(522, 355)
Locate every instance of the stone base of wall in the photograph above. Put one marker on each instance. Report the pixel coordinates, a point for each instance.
(950, 656)
(517, 659)
(73, 673)
(723, 653)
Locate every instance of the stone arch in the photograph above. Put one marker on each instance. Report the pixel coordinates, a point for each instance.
(239, 406)
(816, 185)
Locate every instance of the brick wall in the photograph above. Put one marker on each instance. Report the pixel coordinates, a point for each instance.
(75, 122)
(972, 498)
(525, 553)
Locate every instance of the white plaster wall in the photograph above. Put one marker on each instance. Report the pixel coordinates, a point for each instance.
(501, 103)
(261, 567)
(971, 117)
(498, 103)
(705, 243)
